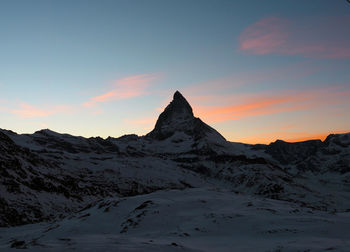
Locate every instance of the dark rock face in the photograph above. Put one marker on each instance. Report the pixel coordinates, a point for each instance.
(342, 140)
(178, 117)
(313, 155)
(178, 112)
(52, 140)
(287, 153)
(178, 105)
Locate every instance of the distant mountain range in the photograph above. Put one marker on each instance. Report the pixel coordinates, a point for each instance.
(53, 178)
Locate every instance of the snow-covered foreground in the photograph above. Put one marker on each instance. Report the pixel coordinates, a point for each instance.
(187, 220)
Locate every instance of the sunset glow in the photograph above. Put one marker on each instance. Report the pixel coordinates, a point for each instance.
(29, 111)
(125, 88)
(280, 71)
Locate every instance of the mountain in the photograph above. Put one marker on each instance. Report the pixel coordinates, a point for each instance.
(178, 118)
(184, 178)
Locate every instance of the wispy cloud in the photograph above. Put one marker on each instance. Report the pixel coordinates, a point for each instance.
(316, 38)
(262, 104)
(125, 88)
(29, 111)
(224, 87)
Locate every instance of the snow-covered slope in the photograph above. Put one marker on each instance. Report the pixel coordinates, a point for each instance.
(48, 176)
(187, 220)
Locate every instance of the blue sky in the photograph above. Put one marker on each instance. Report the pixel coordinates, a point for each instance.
(254, 70)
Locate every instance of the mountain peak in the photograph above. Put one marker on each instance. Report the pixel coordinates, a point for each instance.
(179, 105)
(178, 111)
(178, 95)
(178, 117)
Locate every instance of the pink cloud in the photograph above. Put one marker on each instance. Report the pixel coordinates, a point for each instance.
(316, 38)
(124, 88)
(265, 36)
(29, 111)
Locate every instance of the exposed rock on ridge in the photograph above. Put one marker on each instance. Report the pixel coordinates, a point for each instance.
(178, 117)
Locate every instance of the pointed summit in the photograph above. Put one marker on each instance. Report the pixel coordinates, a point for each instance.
(178, 117)
(179, 99)
(178, 106)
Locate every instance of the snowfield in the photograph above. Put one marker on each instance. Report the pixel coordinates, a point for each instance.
(188, 220)
(182, 187)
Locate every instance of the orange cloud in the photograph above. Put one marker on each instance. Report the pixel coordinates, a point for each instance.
(318, 38)
(257, 105)
(222, 88)
(29, 111)
(125, 88)
(266, 138)
(261, 106)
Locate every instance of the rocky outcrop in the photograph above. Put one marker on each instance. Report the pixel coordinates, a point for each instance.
(178, 117)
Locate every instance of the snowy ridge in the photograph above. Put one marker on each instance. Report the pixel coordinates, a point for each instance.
(48, 176)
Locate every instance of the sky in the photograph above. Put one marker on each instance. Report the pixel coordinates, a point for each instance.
(256, 71)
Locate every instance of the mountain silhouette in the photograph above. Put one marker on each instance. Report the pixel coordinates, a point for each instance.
(178, 117)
